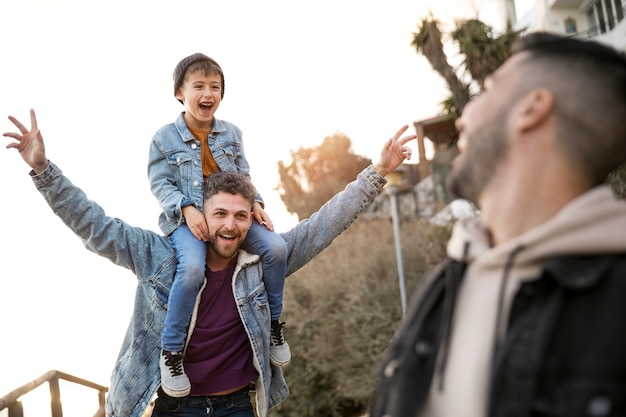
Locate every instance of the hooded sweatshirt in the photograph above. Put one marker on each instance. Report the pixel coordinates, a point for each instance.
(593, 223)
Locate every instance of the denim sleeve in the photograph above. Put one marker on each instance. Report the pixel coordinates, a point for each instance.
(142, 251)
(163, 182)
(312, 235)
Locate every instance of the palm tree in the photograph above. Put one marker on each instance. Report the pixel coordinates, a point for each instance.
(428, 41)
(483, 50)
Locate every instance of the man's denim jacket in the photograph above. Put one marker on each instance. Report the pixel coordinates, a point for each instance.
(150, 257)
(175, 166)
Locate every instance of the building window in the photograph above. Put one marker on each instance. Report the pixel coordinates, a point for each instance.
(610, 16)
(570, 25)
(600, 14)
(592, 23)
(619, 10)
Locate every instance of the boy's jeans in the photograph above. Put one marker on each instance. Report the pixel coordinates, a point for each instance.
(273, 252)
(190, 273)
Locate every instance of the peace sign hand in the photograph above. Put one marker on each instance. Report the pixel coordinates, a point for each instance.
(394, 152)
(29, 143)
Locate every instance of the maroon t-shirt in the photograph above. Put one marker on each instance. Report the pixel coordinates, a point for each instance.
(218, 356)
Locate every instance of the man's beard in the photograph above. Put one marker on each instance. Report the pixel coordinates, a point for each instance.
(223, 252)
(474, 169)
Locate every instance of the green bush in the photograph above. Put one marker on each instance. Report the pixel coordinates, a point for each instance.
(342, 310)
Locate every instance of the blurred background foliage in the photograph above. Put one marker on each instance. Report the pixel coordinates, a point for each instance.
(341, 311)
(317, 173)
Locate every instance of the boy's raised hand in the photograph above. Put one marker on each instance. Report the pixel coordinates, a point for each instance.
(29, 143)
(394, 152)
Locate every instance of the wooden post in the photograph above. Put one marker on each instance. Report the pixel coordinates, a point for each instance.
(16, 409)
(55, 397)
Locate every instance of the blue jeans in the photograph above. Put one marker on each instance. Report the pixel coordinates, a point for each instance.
(273, 252)
(237, 404)
(190, 272)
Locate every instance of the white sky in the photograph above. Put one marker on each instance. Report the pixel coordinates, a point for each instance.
(98, 74)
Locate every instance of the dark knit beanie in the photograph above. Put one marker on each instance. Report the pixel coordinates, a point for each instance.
(183, 66)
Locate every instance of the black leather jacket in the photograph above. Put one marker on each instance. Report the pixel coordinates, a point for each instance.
(564, 353)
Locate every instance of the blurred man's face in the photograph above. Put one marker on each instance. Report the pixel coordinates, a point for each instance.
(483, 138)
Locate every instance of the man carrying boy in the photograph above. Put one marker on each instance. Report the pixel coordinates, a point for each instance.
(151, 257)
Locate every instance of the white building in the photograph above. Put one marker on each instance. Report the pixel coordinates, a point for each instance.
(602, 20)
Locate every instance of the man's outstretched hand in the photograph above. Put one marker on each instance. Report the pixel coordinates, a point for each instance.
(394, 152)
(29, 143)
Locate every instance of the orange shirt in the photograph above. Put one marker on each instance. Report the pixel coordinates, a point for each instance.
(209, 165)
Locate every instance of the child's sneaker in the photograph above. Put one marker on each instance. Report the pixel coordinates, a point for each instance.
(280, 355)
(174, 381)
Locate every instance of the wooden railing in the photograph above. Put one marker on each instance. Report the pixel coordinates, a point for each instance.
(12, 401)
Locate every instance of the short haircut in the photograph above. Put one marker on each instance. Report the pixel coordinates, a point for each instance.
(229, 182)
(588, 80)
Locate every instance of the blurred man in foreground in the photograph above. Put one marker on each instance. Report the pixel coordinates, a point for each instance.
(526, 316)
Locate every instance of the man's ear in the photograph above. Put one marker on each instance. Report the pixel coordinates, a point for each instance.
(534, 109)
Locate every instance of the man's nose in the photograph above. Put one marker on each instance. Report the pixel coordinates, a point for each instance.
(229, 222)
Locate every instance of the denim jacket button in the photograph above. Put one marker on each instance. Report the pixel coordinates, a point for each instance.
(195, 183)
(422, 348)
(194, 146)
(599, 406)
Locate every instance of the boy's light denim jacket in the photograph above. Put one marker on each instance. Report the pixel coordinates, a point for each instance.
(150, 257)
(175, 166)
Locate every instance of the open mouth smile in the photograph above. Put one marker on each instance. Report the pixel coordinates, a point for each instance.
(227, 237)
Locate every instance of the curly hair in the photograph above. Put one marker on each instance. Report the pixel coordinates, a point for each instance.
(229, 182)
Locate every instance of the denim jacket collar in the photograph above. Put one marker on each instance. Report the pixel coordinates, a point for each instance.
(185, 133)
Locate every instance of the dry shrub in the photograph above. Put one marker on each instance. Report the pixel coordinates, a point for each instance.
(342, 309)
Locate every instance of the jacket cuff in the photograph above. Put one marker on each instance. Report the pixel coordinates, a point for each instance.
(47, 175)
(374, 177)
(186, 202)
